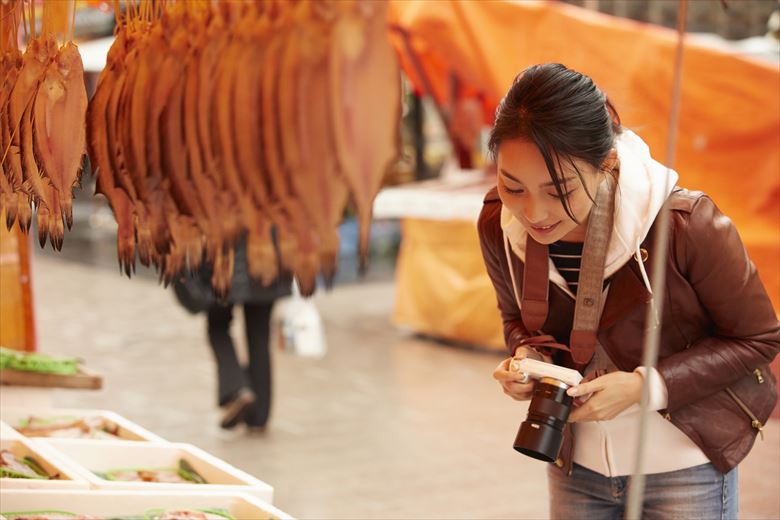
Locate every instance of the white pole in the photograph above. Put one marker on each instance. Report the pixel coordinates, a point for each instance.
(654, 311)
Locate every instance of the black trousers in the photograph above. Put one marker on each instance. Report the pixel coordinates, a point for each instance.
(231, 376)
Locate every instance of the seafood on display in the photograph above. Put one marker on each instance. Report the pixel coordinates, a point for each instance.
(183, 474)
(91, 427)
(14, 466)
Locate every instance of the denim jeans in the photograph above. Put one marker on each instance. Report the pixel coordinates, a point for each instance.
(700, 492)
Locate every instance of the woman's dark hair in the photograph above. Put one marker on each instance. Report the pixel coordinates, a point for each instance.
(564, 114)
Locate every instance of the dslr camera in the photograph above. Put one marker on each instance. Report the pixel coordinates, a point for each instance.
(541, 434)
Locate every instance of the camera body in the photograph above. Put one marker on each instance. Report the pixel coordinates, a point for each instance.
(533, 369)
(541, 434)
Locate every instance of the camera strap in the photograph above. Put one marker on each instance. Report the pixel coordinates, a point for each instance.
(590, 288)
(536, 285)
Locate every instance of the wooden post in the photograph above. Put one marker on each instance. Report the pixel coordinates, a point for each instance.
(17, 326)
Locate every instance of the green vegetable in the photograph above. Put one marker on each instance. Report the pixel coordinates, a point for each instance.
(187, 472)
(9, 473)
(218, 512)
(109, 475)
(33, 465)
(12, 516)
(31, 362)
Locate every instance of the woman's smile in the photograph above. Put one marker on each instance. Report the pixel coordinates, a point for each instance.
(542, 230)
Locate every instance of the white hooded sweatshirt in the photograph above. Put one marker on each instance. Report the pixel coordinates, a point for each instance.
(609, 447)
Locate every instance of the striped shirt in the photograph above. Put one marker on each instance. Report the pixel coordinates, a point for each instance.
(567, 257)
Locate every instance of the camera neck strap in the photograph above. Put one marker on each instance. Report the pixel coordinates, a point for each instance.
(590, 288)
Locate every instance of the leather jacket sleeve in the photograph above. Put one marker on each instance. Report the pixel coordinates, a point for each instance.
(490, 235)
(746, 332)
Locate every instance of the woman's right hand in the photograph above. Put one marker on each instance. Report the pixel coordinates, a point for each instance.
(511, 381)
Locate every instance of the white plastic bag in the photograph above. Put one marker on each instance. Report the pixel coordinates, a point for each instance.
(300, 327)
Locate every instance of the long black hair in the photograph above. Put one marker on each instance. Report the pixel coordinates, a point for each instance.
(564, 114)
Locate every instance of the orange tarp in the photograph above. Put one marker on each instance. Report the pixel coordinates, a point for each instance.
(442, 288)
(729, 129)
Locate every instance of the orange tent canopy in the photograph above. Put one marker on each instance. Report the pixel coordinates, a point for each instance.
(729, 128)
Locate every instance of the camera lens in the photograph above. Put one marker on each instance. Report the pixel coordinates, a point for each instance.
(541, 434)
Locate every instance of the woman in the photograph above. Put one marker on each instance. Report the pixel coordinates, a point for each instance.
(560, 148)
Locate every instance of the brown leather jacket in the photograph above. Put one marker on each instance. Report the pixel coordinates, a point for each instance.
(718, 330)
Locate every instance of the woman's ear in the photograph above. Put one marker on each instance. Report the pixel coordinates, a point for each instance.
(611, 162)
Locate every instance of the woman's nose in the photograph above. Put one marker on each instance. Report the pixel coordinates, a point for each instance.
(534, 211)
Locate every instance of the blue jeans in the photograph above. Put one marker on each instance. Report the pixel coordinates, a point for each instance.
(701, 492)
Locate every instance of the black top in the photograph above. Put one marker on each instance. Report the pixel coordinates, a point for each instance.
(567, 257)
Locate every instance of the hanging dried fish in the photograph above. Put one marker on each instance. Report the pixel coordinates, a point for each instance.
(256, 121)
(365, 103)
(43, 104)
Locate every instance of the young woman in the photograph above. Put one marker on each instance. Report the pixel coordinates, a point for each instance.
(560, 148)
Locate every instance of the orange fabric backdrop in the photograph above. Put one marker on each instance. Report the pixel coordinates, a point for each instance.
(729, 129)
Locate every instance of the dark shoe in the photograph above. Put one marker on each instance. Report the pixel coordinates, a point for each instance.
(235, 409)
(255, 431)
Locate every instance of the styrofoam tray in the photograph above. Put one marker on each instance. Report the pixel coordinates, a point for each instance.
(107, 504)
(88, 456)
(70, 478)
(128, 430)
(6, 432)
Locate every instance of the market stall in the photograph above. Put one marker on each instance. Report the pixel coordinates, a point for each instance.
(442, 289)
(172, 133)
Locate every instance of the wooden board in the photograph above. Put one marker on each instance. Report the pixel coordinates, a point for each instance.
(84, 379)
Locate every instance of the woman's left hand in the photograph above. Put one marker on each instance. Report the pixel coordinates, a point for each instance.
(610, 394)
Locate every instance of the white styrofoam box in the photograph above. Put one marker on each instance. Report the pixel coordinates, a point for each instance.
(107, 504)
(49, 460)
(128, 430)
(88, 456)
(6, 432)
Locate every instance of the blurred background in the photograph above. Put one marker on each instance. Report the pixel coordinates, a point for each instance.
(392, 413)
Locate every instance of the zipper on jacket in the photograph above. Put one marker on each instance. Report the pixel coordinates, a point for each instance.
(759, 375)
(755, 423)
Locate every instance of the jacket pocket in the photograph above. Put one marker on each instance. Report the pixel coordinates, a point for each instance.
(754, 422)
(759, 395)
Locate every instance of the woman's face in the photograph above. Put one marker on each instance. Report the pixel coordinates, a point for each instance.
(527, 191)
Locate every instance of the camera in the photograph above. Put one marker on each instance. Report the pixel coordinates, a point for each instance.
(541, 434)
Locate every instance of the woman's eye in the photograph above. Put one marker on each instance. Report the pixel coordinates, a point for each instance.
(565, 195)
(510, 190)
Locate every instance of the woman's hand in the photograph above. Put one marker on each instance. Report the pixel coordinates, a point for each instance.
(610, 394)
(511, 381)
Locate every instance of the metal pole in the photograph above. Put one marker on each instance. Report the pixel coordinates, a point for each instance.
(653, 326)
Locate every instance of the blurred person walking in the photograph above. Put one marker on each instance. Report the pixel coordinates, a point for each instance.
(244, 392)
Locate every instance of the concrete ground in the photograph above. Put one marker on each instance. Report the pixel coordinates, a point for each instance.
(386, 426)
